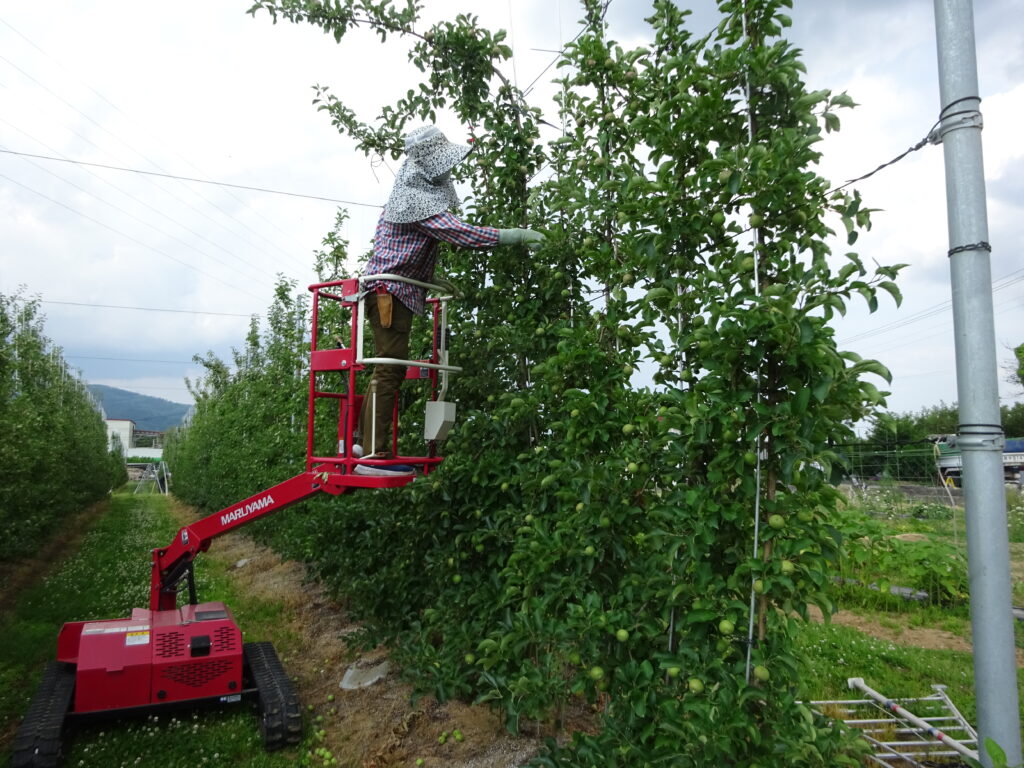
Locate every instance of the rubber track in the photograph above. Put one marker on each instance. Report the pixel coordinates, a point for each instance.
(280, 712)
(37, 742)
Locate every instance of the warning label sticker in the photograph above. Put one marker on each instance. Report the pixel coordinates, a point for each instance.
(115, 630)
(136, 638)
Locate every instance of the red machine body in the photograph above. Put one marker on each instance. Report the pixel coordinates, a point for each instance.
(154, 657)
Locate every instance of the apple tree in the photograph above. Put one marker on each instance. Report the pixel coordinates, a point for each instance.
(649, 549)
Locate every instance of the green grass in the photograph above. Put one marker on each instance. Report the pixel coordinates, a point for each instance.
(110, 575)
(106, 579)
(836, 653)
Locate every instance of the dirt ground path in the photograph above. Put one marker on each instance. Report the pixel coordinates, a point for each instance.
(372, 727)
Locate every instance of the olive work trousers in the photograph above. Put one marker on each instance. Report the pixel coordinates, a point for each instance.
(375, 423)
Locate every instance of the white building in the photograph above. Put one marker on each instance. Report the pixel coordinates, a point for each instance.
(124, 431)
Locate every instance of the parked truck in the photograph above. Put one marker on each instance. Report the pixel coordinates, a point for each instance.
(950, 462)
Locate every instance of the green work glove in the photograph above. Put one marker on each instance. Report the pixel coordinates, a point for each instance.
(526, 237)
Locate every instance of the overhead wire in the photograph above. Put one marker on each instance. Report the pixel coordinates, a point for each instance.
(195, 180)
(1000, 284)
(128, 359)
(512, 45)
(244, 265)
(164, 189)
(945, 328)
(914, 148)
(148, 309)
(140, 154)
(129, 237)
(86, 166)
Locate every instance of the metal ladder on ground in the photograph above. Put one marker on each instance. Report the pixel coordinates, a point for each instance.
(906, 732)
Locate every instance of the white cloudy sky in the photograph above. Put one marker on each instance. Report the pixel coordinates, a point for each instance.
(201, 89)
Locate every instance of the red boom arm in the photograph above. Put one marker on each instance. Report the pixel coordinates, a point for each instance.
(171, 564)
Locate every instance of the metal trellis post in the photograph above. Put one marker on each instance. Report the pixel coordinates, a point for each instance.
(980, 433)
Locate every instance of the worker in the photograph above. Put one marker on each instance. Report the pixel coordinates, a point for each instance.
(416, 218)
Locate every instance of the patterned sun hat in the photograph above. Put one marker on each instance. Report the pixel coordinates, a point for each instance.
(422, 188)
(433, 152)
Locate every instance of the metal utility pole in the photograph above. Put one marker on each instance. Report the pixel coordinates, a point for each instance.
(980, 432)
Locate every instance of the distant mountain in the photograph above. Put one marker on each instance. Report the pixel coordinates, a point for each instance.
(151, 413)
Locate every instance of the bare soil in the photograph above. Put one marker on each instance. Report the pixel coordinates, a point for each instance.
(373, 727)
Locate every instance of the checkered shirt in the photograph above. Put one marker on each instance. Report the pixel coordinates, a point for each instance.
(410, 250)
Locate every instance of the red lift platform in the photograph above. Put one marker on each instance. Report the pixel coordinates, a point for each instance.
(171, 656)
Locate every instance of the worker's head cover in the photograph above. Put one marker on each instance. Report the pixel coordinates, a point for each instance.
(423, 186)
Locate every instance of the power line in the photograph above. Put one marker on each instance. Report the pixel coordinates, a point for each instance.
(126, 144)
(128, 237)
(944, 330)
(187, 178)
(208, 201)
(1007, 281)
(131, 360)
(135, 198)
(146, 309)
(579, 34)
(131, 215)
